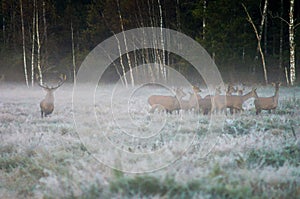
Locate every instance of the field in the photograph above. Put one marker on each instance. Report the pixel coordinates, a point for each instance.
(86, 149)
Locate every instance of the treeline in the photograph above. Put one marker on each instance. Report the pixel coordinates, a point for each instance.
(54, 36)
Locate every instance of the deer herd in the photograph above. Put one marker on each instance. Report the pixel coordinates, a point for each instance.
(217, 103)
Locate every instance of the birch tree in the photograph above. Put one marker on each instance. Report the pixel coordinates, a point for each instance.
(163, 59)
(33, 43)
(126, 47)
(259, 36)
(292, 74)
(24, 43)
(122, 73)
(38, 45)
(292, 44)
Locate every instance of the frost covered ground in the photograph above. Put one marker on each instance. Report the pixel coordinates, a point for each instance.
(78, 152)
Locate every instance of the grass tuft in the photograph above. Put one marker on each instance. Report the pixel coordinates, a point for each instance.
(275, 158)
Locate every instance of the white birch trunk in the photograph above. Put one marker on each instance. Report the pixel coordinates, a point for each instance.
(24, 43)
(292, 44)
(163, 59)
(33, 43)
(126, 47)
(121, 63)
(38, 46)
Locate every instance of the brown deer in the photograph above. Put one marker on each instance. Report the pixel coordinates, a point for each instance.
(169, 103)
(267, 103)
(47, 104)
(218, 101)
(238, 89)
(205, 105)
(197, 103)
(235, 102)
(221, 102)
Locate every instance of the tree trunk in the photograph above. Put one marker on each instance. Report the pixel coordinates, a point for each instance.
(258, 37)
(24, 44)
(73, 53)
(292, 44)
(121, 63)
(163, 59)
(38, 46)
(33, 43)
(125, 42)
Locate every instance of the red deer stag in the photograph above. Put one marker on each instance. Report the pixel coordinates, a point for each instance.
(47, 104)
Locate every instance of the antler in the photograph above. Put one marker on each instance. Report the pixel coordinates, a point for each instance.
(41, 85)
(62, 80)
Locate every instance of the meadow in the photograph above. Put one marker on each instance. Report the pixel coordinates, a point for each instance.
(72, 153)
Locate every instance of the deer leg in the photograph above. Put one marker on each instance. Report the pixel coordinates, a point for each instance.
(257, 111)
(224, 111)
(41, 114)
(205, 111)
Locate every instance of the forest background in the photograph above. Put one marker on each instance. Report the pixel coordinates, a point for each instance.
(40, 37)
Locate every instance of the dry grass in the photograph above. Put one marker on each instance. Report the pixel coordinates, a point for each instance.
(249, 156)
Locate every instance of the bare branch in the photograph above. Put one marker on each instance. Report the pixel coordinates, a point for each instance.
(251, 22)
(278, 17)
(296, 25)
